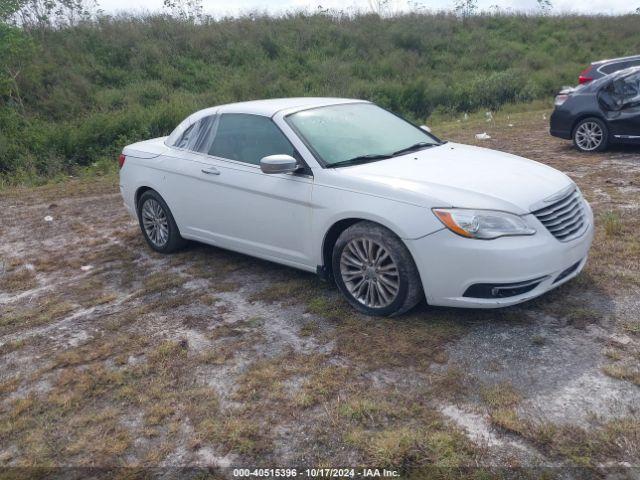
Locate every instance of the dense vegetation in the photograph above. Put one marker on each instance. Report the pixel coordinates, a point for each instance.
(75, 96)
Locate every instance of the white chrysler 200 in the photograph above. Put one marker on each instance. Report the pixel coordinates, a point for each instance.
(359, 195)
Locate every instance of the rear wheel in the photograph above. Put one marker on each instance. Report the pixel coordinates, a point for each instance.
(157, 223)
(591, 135)
(374, 270)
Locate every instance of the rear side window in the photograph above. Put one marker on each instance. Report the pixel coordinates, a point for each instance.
(614, 67)
(195, 135)
(248, 138)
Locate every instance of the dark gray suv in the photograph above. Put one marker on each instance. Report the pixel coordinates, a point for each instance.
(601, 112)
(602, 68)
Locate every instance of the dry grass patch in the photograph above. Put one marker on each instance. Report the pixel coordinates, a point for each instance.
(501, 395)
(17, 280)
(615, 440)
(43, 310)
(377, 343)
(68, 188)
(81, 419)
(10, 385)
(263, 381)
(612, 224)
(237, 434)
(451, 383)
(623, 372)
(291, 291)
(615, 254)
(416, 451)
(159, 282)
(90, 292)
(323, 384)
(12, 346)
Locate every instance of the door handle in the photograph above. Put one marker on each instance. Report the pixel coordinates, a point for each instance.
(210, 171)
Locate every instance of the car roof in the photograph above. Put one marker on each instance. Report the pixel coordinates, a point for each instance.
(267, 108)
(272, 106)
(614, 60)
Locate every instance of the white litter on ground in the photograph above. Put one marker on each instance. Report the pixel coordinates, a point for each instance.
(86, 268)
(48, 218)
(482, 136)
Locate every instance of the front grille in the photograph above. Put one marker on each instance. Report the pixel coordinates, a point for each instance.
(565, 219)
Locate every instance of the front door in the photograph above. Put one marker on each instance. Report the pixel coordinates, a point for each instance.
(235, 205)
(624, 120)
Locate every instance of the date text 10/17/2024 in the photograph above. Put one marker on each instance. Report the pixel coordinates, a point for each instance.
(316, 472)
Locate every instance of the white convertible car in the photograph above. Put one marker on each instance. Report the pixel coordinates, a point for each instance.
(361, 196)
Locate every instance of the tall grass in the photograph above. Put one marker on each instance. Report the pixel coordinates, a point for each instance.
(87, 91)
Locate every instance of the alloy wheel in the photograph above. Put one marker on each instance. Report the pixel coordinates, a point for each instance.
(155, 223)
(369, 273)
(589, 136)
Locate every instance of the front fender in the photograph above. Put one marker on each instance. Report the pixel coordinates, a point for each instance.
(406, 220)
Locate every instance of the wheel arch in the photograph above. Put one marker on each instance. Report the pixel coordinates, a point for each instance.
(333, 233)
(139, 191)
(584, 116)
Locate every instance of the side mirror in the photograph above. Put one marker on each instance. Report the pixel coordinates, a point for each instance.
(278, 164)
(425, 128)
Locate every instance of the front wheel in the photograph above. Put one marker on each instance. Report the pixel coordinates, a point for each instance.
(591, 135)
(374, 270)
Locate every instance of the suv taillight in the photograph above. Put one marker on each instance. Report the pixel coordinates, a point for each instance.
(560, 99)
(584, 76)
(121, 160)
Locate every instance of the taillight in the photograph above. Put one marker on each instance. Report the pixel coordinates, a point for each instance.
(560, 99)
(584, 76)
(121, 160)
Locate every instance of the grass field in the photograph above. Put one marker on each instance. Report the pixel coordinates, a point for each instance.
(73, 97)
(113, 355)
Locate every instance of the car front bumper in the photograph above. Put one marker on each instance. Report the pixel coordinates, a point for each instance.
(449, 264)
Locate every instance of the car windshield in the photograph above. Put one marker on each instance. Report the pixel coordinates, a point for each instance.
(356, 133)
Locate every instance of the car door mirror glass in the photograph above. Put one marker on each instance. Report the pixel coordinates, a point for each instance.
(278, 164)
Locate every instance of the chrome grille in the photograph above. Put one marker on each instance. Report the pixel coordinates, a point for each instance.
(565, 219)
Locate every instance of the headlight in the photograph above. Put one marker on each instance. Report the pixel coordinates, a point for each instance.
(483, 224)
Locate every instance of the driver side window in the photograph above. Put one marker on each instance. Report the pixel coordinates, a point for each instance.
(248, 138)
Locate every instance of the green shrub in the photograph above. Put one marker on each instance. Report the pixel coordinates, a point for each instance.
(82, 93)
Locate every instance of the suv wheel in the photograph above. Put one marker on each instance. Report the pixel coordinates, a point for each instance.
(374, 270)
(157, 223)
(591, 135)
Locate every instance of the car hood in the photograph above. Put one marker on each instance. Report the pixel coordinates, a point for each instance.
(456, 175)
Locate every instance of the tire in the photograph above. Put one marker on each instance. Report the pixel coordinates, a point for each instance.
(352, 264)
(151, 206)
(590, 135)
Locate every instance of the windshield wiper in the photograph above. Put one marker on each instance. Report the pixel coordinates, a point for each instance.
(360, 159)
(414, 147)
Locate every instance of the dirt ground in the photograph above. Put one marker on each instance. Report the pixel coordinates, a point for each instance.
(114, 356)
